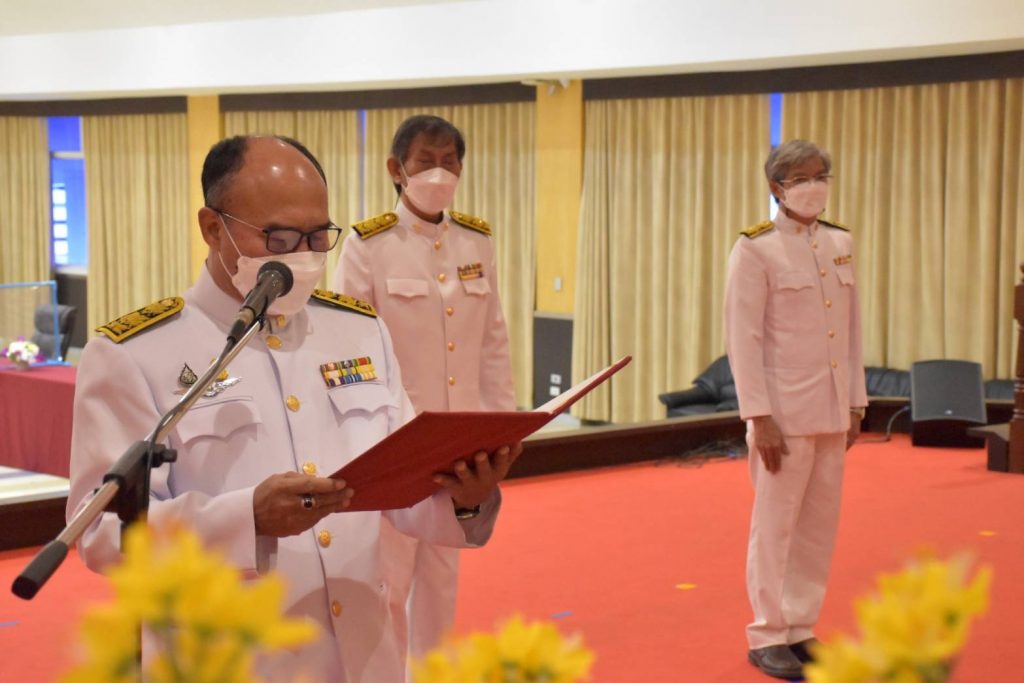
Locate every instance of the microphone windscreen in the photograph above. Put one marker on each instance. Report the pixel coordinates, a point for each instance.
(281, 269)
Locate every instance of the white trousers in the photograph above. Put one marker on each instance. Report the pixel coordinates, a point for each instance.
(792, 535)
(423, 582)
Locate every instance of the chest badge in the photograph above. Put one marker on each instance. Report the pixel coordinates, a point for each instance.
(471, 271)
(187, 377)
(843, 260)
(341, 372)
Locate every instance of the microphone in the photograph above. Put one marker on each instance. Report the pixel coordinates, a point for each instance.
(274, 279)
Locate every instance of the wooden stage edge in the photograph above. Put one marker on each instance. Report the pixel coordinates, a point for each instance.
(553, 452)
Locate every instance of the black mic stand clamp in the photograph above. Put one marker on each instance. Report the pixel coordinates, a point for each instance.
(131, 472)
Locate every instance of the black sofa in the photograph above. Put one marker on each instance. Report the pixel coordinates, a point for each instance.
(714, 391)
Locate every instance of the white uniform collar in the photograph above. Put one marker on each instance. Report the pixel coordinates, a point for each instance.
(410, 220)
(222, 308)
(787, 225)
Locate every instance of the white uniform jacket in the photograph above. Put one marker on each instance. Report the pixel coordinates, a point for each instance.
(437, 288)
(792, 326)
(281, 416)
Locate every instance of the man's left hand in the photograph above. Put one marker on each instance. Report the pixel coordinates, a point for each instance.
(474, 481)
(854, 431)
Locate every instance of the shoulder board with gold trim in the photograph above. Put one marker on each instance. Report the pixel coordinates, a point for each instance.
(121, 328)
(346, 302)
(757, 230)
(833, 224)
(471, 222)
(376, 225)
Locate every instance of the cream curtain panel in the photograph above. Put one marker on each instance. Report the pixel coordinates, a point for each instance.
(136, 170)
(24, 219)
(498, 185)
(667, 185)
(930, 180)
(333, 138)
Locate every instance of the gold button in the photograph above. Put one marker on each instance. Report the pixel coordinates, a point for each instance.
(309, 468)
(282, 321)
(441, 277)
(324, 537)
(451, 346)
(831, 333)
(437, 244)
(835, 364)
(446, 225)
(293, 404)
(828, 303)
(451, 381)
(274, 342)
(814, 245)
(449, 310)
(822, 271)
(336, 608)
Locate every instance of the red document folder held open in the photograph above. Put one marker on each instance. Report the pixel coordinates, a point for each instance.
(398, 471)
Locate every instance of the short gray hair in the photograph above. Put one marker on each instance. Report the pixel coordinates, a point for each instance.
(793, 153)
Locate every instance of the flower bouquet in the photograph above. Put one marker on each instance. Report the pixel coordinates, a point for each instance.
(206, 622)
(22, 353)
(911, 630)
(519, 653)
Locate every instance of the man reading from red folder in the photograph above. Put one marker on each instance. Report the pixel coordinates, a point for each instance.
(254, 454)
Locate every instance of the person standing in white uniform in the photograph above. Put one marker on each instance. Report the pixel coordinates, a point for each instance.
(793, 336)
(430, 273)
(253, 461)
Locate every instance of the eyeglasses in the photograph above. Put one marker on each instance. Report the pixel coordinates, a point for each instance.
(803, 180)
(287, 240)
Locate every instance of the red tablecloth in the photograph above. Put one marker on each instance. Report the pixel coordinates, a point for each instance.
(35, 417)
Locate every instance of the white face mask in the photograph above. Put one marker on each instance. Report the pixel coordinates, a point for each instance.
(431, 191)
(806, 200)
(307, 268)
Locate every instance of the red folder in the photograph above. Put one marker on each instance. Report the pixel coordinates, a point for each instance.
(398, 471)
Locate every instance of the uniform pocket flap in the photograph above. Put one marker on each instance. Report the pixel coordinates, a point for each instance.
(218, 418)
(368, 397)
(845, 273)
(407, 287)
(477, 286)
(795, 279)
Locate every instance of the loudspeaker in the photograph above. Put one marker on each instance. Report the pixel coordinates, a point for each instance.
(946, 397)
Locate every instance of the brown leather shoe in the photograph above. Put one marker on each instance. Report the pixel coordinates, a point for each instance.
(802, 650)
(777, 661)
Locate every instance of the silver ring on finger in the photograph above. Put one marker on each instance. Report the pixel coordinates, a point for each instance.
(308, 501)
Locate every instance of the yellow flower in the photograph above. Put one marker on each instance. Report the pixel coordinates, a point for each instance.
(519, 653)
(911, 629)
(206, 621)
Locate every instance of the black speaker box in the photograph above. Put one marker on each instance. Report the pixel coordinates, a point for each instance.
(946, 398)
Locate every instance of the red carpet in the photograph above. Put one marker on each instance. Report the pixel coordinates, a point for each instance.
(603, 553)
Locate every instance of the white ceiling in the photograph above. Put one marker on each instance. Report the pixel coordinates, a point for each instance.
(25, 17)
(59, 49)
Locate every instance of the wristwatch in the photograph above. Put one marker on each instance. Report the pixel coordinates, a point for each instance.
(467, 513)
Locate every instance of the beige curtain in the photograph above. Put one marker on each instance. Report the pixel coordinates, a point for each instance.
(136, 170)
(333, 138)
(24, 220)
(498, 185)
(667, 185)
(929, 179)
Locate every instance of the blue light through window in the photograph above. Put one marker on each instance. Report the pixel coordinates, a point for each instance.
(68, 233)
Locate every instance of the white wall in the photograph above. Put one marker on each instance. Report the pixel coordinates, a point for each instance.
(479, 41)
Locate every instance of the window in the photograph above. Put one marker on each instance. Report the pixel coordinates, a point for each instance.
(68, 236)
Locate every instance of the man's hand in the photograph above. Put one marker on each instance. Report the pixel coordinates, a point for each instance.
(769, 443)
(854, 432)
(288, 504)
(473, 482)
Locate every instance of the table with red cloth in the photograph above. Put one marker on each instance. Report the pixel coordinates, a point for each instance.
(35, 417)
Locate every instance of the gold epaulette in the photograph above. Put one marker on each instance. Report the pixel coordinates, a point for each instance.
(471, 222)
(833, 224)
(346, 302)
(757, 230)
(121, 328)
(377, 224)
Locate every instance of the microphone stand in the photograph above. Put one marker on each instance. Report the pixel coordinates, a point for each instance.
(125, 488)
